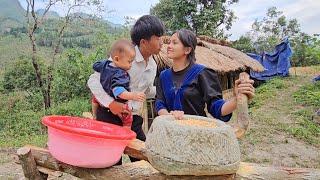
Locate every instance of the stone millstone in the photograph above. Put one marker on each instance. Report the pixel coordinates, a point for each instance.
(177, 149)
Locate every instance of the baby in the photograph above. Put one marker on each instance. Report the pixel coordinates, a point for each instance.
(115, 79)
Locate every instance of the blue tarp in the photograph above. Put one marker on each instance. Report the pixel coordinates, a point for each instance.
(317, 78)
(275, 64)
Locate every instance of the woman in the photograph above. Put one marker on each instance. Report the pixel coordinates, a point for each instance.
(187, 87)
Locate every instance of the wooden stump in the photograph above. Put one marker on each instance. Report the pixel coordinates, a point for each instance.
(28, 164)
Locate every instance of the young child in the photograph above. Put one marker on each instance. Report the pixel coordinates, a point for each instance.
(115, 79)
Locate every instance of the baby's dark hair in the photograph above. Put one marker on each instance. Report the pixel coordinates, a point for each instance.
(120, 47)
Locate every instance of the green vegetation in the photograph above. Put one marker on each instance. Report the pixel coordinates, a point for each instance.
(203, 17)
(21, 106)
(308, 95)
(286, 104)
(271, 30)
(267, 90)
(12, 9)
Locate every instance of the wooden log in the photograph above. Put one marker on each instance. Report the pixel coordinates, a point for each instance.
(255, 171)
(49, 172)
(136, 149)
(56, 175)
(44, 158)
(143, 170)
(28, 164)
(63, 176)
(242, 111)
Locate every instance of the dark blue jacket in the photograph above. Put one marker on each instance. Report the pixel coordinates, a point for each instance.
(114, 80)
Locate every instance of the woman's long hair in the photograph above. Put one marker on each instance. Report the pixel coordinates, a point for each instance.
(188, 39)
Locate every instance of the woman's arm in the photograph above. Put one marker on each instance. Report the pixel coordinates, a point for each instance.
(229, 106)
(245, 87)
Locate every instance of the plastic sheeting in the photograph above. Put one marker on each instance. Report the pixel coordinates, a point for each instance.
(275, 64)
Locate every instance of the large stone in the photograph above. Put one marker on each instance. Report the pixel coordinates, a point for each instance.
(177, 149)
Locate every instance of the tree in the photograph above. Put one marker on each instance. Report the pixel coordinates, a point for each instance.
(306, 50)
(244, 44)
(20, 76)
(269, 31)
(204, 17)
(71, 74)
(35, 21)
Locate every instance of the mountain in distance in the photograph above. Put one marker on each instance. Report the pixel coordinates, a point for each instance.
(12, 9)
(50, 14)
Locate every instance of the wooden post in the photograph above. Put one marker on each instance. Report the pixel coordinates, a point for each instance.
(242, 111)
(144, 115)
(28, 164)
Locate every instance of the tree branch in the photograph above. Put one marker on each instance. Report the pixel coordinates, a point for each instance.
(46, 10)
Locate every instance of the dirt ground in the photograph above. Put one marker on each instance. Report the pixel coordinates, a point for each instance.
(268, 144)
(8, 168)
(264, 143)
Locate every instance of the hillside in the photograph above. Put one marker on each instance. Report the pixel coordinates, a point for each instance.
(50, 14)
(12, 9)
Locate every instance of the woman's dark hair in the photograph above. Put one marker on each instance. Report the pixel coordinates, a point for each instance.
(188, 39)
(145, 27)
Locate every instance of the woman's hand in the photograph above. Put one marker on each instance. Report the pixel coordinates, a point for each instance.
(244, 87)
(177, 114)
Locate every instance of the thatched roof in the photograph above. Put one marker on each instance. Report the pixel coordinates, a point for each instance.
(216, 55)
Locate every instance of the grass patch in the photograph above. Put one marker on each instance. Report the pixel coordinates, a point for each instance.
(254, 160)
(304, 128)
(316, 68)
(286, 104)
(18, 128)
(75, 107)
(36, 140)
(22, 128)
(254, 135)
(266, 91)
(308, 97)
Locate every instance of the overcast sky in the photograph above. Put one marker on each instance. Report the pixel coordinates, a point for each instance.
(306, 11)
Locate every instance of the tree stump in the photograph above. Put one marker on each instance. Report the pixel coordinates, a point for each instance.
(28, 164)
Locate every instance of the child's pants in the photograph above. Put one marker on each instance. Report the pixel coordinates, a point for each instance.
(105, 115)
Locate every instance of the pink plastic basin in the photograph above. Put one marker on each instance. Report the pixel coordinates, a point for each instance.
(85, 142)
